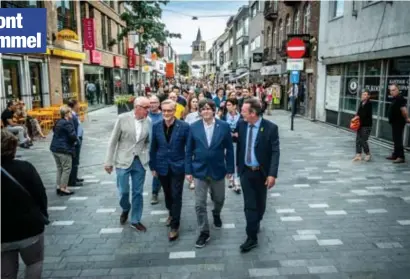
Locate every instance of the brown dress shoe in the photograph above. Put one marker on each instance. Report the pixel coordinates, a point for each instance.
(173, 235)
(391, 158)
(168, 223)
(124, 217)
(139, 227)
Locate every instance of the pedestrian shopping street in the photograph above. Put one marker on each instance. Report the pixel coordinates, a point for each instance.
(326, 217)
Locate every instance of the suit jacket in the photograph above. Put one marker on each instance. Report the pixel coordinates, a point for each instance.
(214, 161)
(266, 147)
(164, 155)
(75, 123)
(123, 145)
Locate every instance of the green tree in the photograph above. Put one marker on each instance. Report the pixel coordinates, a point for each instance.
(146, 15)
(183, 68)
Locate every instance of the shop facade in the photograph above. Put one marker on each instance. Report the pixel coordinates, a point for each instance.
(24, 78)
(345, 83)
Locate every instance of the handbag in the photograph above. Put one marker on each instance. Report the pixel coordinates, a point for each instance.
(355, 124)
(45, 218)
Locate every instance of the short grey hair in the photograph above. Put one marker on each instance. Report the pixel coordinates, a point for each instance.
(138, 100)
(154, 97)
(169, 102)
(64, 110)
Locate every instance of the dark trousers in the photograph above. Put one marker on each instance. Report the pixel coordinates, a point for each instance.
(172, 185)
(74, 164)
(254, 195)
(362, 137)
(398, 130)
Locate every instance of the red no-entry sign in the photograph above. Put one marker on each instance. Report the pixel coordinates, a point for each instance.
(296, 48)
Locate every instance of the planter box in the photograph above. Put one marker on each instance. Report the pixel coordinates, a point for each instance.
(124, 108)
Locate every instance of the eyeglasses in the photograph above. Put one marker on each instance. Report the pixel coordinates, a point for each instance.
(168, 110)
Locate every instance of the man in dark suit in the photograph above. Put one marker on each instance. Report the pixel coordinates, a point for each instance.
(258, 163)
(75, 108)
(209, 159)
(167, 161)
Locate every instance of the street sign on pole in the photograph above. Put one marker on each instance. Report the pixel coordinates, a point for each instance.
(294, 77)
(294, 64)
(296, 48)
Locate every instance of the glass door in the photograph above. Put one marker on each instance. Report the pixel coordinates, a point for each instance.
(11, 79)
(35, 84)
(69, 83)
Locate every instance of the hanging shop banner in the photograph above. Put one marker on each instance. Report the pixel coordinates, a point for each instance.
(117, 61)
(257, 57)
(169, 70)
(131, 57)
(88, 33)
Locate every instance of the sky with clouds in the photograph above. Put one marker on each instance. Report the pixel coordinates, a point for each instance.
(177, 20)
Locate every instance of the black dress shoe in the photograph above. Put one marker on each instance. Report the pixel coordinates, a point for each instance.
(139, 227)
(248, 245)
(64, 193)
(124, 217)
(80, 180)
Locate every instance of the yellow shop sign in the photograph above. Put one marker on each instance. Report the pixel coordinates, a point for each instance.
(69, 54)
(67, 34)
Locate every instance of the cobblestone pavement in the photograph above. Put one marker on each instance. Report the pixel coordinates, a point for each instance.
(326, 218)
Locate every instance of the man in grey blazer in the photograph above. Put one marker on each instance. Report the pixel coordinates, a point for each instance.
(128, 151)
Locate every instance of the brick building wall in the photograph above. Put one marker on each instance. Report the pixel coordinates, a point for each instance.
(310, 63)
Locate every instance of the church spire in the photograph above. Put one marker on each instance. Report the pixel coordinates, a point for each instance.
(198, 35)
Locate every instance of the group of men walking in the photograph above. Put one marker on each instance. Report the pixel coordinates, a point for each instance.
(202, 152)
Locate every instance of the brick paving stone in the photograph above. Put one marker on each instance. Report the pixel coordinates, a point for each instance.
(74, 248)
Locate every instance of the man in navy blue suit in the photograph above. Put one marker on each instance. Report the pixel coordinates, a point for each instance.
(258, 162)
(167, 161)
(74, 180)
(209, 159)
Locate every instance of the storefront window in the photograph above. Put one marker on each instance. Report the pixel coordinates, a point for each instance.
(120, 81)
(372, 78)
(11, 79)
(398, 73)
(69, 82)
(21, 4)
(351, 87)
(94, 80)
(35, 84)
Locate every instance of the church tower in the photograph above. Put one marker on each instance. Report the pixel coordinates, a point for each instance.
(198, 48)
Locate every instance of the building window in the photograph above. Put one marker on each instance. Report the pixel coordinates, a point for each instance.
(104, 31)
(338, 8)
(351, 86)
(275, 5)
(196, 48)
(274, 36)
(83, 10)
(35, 84)
(372, 78)
(90, 11)
(296, 23)
(119, 45)
(202, 48)
(109, 35)
(269, 37)
(21, 4)
(69, 83)
(11, 74)
(280, 33)
(119, 7)
(66, 15)
(288, 25)
(258, 42)
(112, 4)
(306, 19)
(398, 73)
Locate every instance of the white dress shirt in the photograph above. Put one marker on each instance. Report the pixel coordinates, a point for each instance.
(209, 131)
(138, 129)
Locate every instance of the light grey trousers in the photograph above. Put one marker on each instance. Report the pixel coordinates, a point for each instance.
(63, 162)
(217, 189)
(32, 256)
(20, 131)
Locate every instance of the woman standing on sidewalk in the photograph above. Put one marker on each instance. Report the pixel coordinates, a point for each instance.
(23, 213)
(364, 114)
(232, 117)
(62, 147)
